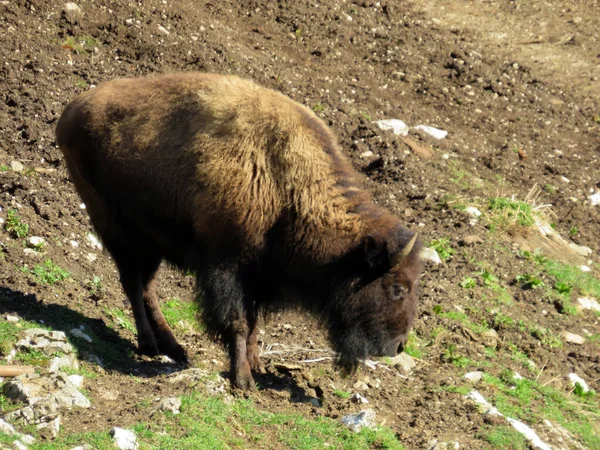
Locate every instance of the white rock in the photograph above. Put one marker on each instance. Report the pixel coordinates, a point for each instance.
(396, 125)
(517, 376)
(124, 439)
(74, 244)
(595, 199)
(580, 249)
(83, 447)
(366, 154)
(81, 335)
(60, 362)
(129, 22)
(432, 131)
(358, 421)
(572, 338)
(10, 318)
(171, 404)
(82, 206)
(585, 268)
(91, 257)
(163, 30)
(77, 380)
(53, 427)
(564, 179)
(472, 211)
(18, 445)
(72, 7)
(584, 303)
(32, 253)
(357, 398)
(429, 254)
(94, 241)
(404, 361)
(16, 166)
(26, 439)
(486, 407)
(574, 379)
(529, 434)
(437, 445)
(473, 377)
(6, 428)
(35, 242)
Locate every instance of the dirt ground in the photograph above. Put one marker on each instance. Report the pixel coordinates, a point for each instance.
(516, 85)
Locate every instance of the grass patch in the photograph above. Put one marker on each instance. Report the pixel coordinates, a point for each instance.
(318, 108)
(15, 226)
(442, 247)
(48, 272)
(207, 422)
(81, 44)
(532, 402)
(504, 437)
(342, 394)
(182, 314)
(468, 283)
(120, 318)
(506, 213)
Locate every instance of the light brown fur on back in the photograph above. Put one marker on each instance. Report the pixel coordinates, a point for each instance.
(248, 152)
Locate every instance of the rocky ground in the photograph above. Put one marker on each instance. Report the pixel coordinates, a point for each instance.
(509, 200)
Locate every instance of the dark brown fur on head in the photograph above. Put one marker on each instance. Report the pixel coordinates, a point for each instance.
(249, 189)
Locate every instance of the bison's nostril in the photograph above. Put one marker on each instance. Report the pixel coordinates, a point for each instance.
(400, 348)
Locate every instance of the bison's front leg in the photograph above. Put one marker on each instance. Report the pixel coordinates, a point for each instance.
(225, 315)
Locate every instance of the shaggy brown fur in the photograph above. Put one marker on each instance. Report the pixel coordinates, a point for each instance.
(219, 175)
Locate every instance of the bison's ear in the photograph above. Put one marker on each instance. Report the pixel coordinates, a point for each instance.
(376, 253)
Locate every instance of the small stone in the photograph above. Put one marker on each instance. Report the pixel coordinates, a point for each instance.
(124, 439)
(357, 398)
(13, 319)
(287, 367)
(595, 199)
(472, 211)
(26, 439)
(436, 133)
(584, 303)
(315, 402)
(6, 428)
(77, 380)
(129, 22)
(32, 253)
(61, 362)
(94, 241)
(17, 166)
(473, 377)
(72, 13)
(50, 430)
(366, 154)
(472, 240)
(572, 338)
(18, 445)
(585, 268)
(581, 250)
(358, 421)
(485, 406)
(361, 385)
(82, 205)
(74, 244)
(163, 30)
(577, 20)
(397, 126)
(576, 379)
(437, 445)
(170, 404)
(564, 179)
(404, 362)
(35, 242)
(91, 257)
(429, 254)
(81, 335)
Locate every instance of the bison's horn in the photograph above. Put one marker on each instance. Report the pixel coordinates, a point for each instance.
(398, 257)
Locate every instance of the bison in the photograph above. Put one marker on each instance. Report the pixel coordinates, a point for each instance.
(248, 189)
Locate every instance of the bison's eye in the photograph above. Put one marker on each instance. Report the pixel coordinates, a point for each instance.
(397, 290)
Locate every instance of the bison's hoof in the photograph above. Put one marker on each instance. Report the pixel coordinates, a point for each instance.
(243, 382)
(257, 366)
(176, 353)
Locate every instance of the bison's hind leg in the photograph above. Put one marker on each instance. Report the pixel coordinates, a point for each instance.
(226, 314)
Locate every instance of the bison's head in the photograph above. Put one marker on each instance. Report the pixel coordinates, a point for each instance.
(373, 308)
